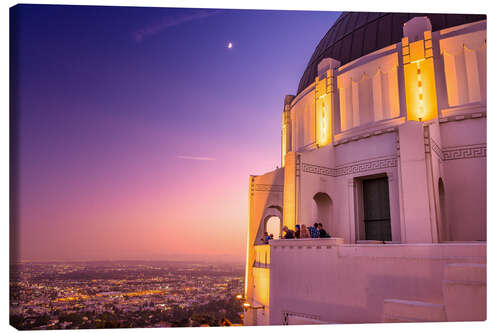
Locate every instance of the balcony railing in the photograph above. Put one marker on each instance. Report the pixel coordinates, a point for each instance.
(306, 242)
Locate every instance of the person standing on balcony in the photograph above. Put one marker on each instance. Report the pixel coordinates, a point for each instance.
(314, 231)
(266, 238)
(297, 231)
(288, 234)
(304, 233)
(322, 232)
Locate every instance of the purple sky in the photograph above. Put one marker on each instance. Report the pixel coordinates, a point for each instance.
(138, 127)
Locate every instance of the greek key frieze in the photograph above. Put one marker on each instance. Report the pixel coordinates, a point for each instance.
(458, 153)
(319, 170)
(366, 166)
(350, 169)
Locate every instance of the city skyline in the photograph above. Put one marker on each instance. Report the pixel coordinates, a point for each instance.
(138, 127)
(124, 294)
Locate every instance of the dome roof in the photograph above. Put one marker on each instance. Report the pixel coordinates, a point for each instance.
(355, 34)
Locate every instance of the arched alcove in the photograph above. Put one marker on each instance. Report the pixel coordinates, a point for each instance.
(322, 211)
(272, 222)
(273, 226)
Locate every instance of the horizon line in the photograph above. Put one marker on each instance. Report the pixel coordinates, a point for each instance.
(100, 260)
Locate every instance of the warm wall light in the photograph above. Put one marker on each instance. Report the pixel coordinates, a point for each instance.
(247, 306)
(323, 113)
(420, 86)
(285, 140)
(323, 118)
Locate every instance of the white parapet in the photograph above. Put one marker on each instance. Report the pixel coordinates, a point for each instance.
(305, 242)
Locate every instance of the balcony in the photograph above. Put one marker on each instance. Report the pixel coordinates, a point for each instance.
(306, 243)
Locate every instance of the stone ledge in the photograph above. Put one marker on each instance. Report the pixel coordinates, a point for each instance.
(409, 310)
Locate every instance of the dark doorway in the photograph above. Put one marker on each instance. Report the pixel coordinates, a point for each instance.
(443, 230)
(377, 213)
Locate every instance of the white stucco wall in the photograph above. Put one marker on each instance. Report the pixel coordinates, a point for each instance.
(348, 283)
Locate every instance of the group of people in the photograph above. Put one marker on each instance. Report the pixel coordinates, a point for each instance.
(267, 237)
(301, 231)
(316, 231)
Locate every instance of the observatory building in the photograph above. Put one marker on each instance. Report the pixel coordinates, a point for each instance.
(385, 145)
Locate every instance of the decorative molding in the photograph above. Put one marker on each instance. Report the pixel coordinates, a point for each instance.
(368, 130)
(297, 166)
(462, 117)
(462, 112)
(464, 152)
(363, 136)
(366, 166)
(427, 141)
(437, 149)
(268, 188)
(308, 147)
(390, 162)
(319, 170)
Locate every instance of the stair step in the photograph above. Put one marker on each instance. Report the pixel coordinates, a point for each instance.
(400, 310)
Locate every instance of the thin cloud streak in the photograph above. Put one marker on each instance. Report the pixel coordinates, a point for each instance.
(169, 22)
(197, 158)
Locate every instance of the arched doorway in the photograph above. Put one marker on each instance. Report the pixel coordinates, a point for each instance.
(273, 226)
(272, 221)
(322, 211)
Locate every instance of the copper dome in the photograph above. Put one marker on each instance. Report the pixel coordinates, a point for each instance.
(355, 34)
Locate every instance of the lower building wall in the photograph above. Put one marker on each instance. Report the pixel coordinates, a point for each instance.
(258, 314)
(465, 192)
(347, 283)
(261, 282)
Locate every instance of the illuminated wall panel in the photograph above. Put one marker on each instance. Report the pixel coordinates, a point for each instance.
(420, 84)
(324, 110)
(261, 280)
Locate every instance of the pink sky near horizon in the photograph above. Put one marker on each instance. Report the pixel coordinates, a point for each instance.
(195, 207)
